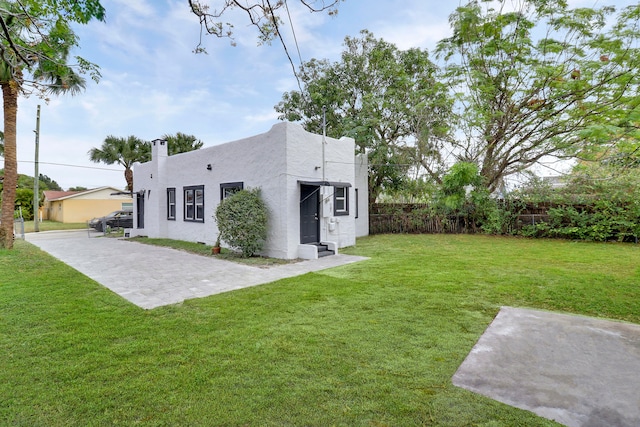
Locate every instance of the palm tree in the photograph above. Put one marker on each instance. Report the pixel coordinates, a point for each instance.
(28, 51)
(124, 152)
(181, 143)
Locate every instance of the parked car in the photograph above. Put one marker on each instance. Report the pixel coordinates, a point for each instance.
(116, 219)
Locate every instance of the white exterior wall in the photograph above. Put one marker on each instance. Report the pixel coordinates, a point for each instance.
(275, 162)
(362, 184)
(304, 163)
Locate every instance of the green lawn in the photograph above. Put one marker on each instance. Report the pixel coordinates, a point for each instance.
(29, 226)
(368, 344)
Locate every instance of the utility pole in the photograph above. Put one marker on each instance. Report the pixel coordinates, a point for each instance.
(36, 178)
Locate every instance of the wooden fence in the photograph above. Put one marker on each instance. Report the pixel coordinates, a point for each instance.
(419, 219)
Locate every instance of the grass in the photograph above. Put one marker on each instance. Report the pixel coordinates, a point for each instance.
(368, 344)
(202, 249)
(29, 226)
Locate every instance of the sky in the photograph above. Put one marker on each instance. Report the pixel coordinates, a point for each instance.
(153, 84)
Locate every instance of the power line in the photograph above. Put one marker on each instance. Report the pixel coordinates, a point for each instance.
(71, 166)
(293, 31)
(284, 45)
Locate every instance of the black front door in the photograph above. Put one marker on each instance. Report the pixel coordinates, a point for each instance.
(309, 214)
(140, 210)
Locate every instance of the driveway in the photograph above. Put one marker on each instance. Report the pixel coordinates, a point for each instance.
(151, 276)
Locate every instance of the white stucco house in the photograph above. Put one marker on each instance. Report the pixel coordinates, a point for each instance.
(315, 188)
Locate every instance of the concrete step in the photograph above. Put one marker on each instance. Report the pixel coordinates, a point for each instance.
(323, 250)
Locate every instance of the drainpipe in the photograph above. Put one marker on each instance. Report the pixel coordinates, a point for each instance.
(324, 177)
(324, 139)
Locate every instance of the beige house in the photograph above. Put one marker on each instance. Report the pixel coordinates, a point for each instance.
(81, 206)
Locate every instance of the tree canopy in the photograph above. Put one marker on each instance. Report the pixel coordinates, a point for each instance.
(36, 33)
(509, 88)
(24, 192)
(540, 80)
(127, 151)
(388, 100)
(122, 151)
(181, 143)
(36, 39)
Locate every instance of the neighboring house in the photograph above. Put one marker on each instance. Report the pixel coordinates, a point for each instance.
(81, 206)
(316, 192)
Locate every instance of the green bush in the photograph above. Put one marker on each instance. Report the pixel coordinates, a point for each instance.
(596, 204)
(242, 221)
(24, 200)
(453, 194)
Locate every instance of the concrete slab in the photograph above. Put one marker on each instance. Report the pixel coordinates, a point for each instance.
(152, 276)
(578, 371)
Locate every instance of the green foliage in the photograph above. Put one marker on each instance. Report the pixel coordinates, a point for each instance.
(36, 40)
(24, 192)
(129, 150)
(24, 203)
(461, 179)
(605, 220)
(204, 250)
(463, 195)
(242, 221)
(81, 11)
(181, 143)
(122, 151)
(538, 80)
(44, 183)
(420, 190)
(46, 225)
(47, 183)
(390, 101)
(597, 203)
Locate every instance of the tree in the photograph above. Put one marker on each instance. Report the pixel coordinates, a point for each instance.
(456, 186)
(263, 14)
(123, 151)
(380, 96)
(44, 11)
(24, 202)
(181, 143)
(47, 183)
(35, 42)
(536, 81)
(126, 152)
(24, 192)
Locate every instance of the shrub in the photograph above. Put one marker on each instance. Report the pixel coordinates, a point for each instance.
(242, 221)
